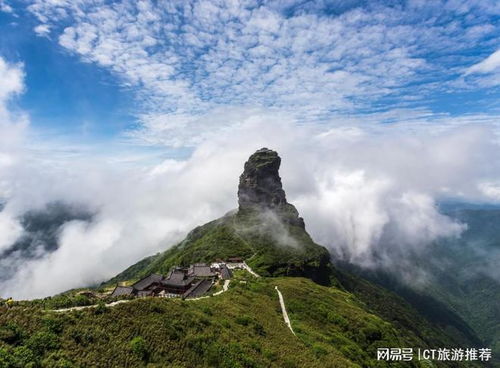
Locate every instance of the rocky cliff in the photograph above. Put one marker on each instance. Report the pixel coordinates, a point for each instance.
(260, 187)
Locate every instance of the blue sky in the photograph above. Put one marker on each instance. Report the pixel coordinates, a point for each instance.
(169, 74)
(63, 95)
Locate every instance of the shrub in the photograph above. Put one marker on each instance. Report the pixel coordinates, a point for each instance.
(24, 357)
(42, 341)
(288, 363)
(138, 347)
(207, 310)
(101, 308)
(243, 320)
(337, 319)
(11, 333)
(53, 324)
(259, 329)
(6, 359)
(57, 359)
(270, 355)
(372, 333)
(82, 337)
(318, 350)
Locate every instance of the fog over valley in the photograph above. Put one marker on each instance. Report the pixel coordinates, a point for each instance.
(372, 200)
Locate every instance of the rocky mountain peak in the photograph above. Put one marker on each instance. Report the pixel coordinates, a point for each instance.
(260, 186)
(260, 183)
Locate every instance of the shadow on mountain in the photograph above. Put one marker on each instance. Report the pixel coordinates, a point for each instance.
(433, 310)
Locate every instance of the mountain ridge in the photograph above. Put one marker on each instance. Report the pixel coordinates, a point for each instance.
(265, 229)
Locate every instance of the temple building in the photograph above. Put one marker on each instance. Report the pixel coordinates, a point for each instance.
(191, 282)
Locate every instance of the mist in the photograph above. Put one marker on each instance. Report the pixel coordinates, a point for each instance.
(369, 194)
(370, 198)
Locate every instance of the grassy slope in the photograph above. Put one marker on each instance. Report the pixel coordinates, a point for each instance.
(240, 328)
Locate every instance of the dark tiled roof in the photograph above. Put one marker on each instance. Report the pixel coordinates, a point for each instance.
(177, 278)
(122, 290)
(198, 289)
(148, 281)
(225, 272)
(200, 270)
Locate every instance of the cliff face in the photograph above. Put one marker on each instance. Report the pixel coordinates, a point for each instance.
(260, 183)
(260, 187)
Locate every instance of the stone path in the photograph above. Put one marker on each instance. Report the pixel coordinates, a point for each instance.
(224, 287)
(247, 267)
(283, 310)
(90, 306)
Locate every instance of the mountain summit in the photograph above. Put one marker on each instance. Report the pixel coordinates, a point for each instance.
(266, 231)
(260, 183)
(260, 187)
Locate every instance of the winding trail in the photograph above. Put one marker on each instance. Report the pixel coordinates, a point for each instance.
(247, 267)
(283, 310)
(224, 287)
(89, 306)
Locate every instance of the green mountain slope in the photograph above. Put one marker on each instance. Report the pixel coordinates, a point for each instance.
(243, 327)
(267, 231)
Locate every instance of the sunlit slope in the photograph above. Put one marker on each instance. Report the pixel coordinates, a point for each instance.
(243, 327)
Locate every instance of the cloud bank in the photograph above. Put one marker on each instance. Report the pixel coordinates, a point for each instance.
(187, 60)
(370, 198)
(227, 78)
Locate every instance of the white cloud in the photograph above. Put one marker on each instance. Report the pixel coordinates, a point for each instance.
(369, 197)
(186, 59)
(491, 190)
(42, 29)
(488, 65)
(10, 230)
(12, 82)
(486, 73)
(5, 7)
(13, 122)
